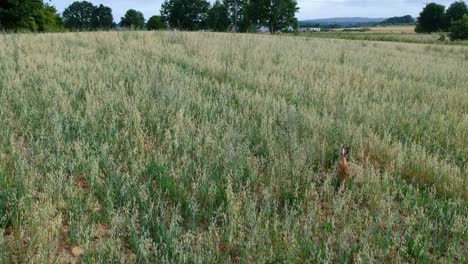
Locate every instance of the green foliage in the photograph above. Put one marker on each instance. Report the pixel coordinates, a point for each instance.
(133, 19)
(5, 203)
(48, 20)
(11, 190)
(102, 18)
(240, 14)
(442, 37)
(282, 15)
(218, 17)
(79, 15)
(155, 23)
(19, 14)
(29, 15)
(257, 12)
(237, 14)
(277, 14)
(185, 14)
(85, 16)
(398, 20)
(455, 12)
(459, 29)
(431, 19)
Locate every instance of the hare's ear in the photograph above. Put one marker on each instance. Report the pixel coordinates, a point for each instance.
(343, 151)
(348, 150)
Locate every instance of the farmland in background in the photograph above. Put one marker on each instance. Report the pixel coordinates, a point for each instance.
(209, 148)
(384, 33)
(393, 29)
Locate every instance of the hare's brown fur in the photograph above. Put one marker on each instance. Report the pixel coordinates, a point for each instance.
(347, 169)
(343, 167)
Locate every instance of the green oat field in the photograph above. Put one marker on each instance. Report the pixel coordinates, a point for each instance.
(171, 147)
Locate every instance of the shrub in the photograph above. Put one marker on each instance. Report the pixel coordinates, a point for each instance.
(431, 19)
(442, 37)
(459, 29)
(133, 19)
(155, 23)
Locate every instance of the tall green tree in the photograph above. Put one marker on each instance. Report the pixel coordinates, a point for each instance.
(155, 23)
(237, 14)
(33, 15)
(282, 14)
(185, 14)
(133, 19)
(48, 20)
(455, 12)
(218, 17)
(276, 14)
(431, 19)
(16, 15)
(102, 17)
(257, 11)
(79, 15)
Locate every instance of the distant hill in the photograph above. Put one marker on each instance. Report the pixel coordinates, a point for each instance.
(398, 20)
(342, 21)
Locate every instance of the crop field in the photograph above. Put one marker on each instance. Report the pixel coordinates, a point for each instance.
(403, 34)
(393, 29)
(403, 29)
(171, 147)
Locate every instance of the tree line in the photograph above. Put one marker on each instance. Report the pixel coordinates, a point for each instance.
(222, 15)
(435, 18)
(235, 15)
(403, 20)
(31, 15)
(39, 16)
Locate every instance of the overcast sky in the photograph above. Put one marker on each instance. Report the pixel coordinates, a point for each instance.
(309, 9)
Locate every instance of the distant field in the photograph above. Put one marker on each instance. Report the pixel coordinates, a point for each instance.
(393, 29)
(388, 33)
(371, 36)
(385, 29)
(139, 147)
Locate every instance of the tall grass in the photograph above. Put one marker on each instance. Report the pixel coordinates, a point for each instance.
(199, 147)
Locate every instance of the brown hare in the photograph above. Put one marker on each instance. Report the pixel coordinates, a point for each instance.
(346, 168)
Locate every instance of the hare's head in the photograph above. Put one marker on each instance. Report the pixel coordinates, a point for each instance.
(344, 152)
